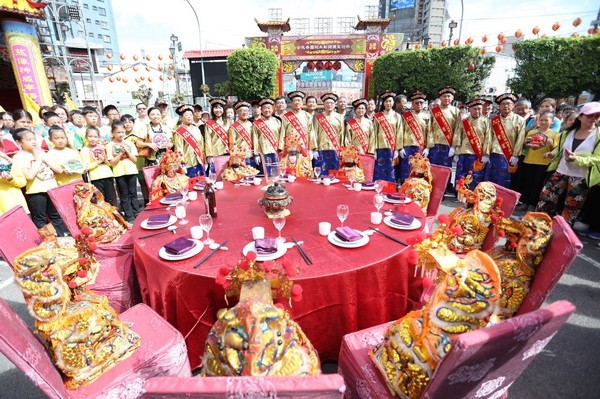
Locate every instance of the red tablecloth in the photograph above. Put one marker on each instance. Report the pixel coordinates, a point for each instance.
(345, 290)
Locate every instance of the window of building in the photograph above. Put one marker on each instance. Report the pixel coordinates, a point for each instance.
(104, 24)
(86, 6)
(97, 22)
(88, 20)
(101, 11)
(106, 39)
(91, 34)
(94, 8)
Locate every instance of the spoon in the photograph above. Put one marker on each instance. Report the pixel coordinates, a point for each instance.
(215, 245)
(170, 228)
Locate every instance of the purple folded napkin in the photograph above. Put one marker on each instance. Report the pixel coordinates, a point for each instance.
(265, 246)
(402, 219)
(368, 184)
(399, 197)
(248, 179)
(179, 246)
(200, 185)
(157, 220)
(173, 197)
(347, 234)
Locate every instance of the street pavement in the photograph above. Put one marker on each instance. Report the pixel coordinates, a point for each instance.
(564, 369)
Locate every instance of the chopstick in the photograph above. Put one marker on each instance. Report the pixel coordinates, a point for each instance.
(155, 208)
(388, 236)
(302, 253)
(155, 234)
(201, 261)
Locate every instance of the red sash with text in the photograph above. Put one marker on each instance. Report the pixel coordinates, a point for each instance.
(360, 134)
(387, 129)
(297, 125)
(328, 129)
(220, 131)
(473, 138)
(245, 134)
(189, 138)
(442, 122)
(414, 126)
(502, 137)
(267, 132)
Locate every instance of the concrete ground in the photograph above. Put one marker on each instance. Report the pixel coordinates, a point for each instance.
(565, 369)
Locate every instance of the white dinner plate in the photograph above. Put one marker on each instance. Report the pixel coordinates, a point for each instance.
(335, 240)
(368, 188)
(281, 250)
(331, 181)
(407, 200)
(144, 224)
(413, 226)
(164, 201)
(194, 251)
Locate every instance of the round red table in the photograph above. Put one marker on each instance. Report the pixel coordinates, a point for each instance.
(344, 290)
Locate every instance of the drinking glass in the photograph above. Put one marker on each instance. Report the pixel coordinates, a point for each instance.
(351, 177)
(281, 171)
(279, 222)
(318, 171)
(342, 212)
(206, 223)
(184, 191)
(273, 172)
(379, 186)
(180, 212)
(378, 202)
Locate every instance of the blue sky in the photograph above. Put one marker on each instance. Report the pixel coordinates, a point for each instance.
(147, 25)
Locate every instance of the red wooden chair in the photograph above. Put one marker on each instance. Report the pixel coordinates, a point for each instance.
(326, 386)
(162, 353)
(510, 199)
(116, 279)
(18, 234)
(480, 364)
(150, 173)
(368, 165)
(441, 176)
(220, 163)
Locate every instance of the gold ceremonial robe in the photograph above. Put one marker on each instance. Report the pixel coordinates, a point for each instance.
(515, 130)
(482, 126)
(435, 135)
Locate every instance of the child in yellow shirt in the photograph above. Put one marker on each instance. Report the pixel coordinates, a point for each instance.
(69, 159)
(11, 181)
(96, 163)
(122, 157)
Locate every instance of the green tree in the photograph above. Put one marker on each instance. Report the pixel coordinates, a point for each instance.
(556, 67)
(143, 93)
(223, 89)
(253, 73)
(461, 67)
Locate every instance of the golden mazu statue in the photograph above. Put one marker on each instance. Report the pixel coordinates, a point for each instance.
(80, 330)
(418, 185)
(255, 337)
(350, 163)
(103, 219)
(295, 158)
(518, 258)
(171, 178)
(237, 168)
(465, 299)
(472, 222)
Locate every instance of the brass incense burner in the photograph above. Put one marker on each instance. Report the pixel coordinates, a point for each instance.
(275, 201)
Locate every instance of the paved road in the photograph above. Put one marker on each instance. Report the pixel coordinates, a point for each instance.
(567, 367)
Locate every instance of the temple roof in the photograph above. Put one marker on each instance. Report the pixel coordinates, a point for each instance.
(207, 53)
(27, 8)
(264, 26)
(363, 23)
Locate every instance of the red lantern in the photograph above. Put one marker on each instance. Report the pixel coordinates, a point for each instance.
(148, 58)
(456, 42)
(503, 40)
(171, 67)
(135, 68)
(575, 34)
(150, 79)
(124, 80)
(170, 56)
(328, 65)
(160, 57)
(147, 68)
(535, 30)
(484, 39)
(111, 79)
(417, 46)
(142, 78)
(123, 57)
(555, 26)
(135, 57)
(500, 36)
(471, 67)
(109, 67)
(444, 43)
(319, 65)
(544, 36)
(137, 80)
(118, 78)
(109, 56)
(577, 22)
(482, 52)
(160, 68)
(518, 33)
(430, 45)
(122, 68)
(161, 77)
(498, 49)
(337, 65)
(590, 31)
(169, 77)
(469, 41)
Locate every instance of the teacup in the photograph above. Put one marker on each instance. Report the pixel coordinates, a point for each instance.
(192, 196)
(258, 233)
(196, 232)
(219, 185)
(326, 182)
(291, 178)
(324, 228)
(376, 217)
(257, 181)
(357, 186)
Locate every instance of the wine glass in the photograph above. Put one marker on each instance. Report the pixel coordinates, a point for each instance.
(351, 177)
(273, 172)
(184, 191)
(342, 212)
(281, 171)
(378, 202)
(378, 186)
(279, 222)
(181, 212)
(206, 223)
(318, 171)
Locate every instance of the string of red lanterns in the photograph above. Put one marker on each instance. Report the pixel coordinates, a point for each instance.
(320, 65)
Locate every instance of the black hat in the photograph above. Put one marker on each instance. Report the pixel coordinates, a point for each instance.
(360, 101)
(266, 101)
(184, 107)
(447, 89)
(506, 96)
(241, 104)
(329, 96)
(254, 102)
(295, 94)
(217, 101)
(387, 94)
(474, 102)
(198, 107)
(160, 101)
(417, 95)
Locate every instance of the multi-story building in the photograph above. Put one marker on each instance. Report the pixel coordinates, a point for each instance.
(420, 20)
(100, 26)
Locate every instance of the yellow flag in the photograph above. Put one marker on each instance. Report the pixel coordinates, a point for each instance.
(69, 103)
(33, 108)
